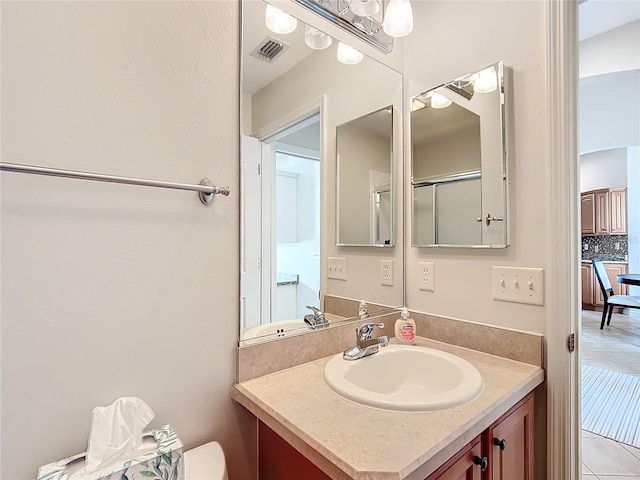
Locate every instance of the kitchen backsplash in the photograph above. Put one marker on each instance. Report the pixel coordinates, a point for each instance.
(611, 248)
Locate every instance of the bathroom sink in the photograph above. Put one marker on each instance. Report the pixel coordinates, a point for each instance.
(405, 378)
(282, 328)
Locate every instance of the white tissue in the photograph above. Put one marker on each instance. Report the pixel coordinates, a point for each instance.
(116, 433)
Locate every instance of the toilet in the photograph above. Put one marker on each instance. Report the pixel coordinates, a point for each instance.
(205, 462)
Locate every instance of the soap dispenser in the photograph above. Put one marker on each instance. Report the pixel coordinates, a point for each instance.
(405, 328)
(362, 310)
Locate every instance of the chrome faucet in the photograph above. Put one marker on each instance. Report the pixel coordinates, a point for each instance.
(366, 344)
(316, 319)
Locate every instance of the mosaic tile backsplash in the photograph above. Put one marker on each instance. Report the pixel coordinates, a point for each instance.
(610, 248)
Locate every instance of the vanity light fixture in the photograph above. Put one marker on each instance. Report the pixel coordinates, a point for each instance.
(279, 22)
(316, 39)
(398, 19)
(364, 19)
(486, 81)
(364, 8)
(439, 101)
(348, 55)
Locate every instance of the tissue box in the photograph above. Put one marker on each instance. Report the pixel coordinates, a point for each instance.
(163, 463)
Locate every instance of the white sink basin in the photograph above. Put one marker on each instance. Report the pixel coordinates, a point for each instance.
(405, 378)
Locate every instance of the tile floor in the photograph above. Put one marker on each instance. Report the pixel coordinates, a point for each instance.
(617, 347)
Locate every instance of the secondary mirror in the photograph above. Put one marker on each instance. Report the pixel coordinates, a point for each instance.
(459, 176)
(364, 152)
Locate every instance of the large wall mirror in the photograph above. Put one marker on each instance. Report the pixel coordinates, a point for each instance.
(304, 96)
(459, 167)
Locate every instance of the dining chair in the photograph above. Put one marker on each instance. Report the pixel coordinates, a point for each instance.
(610, 300)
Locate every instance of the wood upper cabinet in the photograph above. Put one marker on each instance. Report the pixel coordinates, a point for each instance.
(508, 445)
(618, 209)
(604, 212)
(588, 212)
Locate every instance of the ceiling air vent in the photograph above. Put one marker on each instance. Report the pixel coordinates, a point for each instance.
(269, 49)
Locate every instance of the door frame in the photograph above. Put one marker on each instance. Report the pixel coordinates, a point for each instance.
(563, 286)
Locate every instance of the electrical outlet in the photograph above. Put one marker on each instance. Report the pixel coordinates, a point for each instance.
(386, 272)
(337, 268)
(616, 245)
(585, 246)
(426, 280)
(596, 248)
(519, 285)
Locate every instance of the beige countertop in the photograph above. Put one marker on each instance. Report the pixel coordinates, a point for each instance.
(351, 441)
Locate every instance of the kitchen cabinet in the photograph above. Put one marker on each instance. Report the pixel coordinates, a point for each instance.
(592, 293)
(604, 211)
(503, 452)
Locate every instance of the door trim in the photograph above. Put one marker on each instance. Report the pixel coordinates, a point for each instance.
(563, 287)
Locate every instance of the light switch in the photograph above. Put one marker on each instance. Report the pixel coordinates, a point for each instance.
(519, 285)
(337, 268)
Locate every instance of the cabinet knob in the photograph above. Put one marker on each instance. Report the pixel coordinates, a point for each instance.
(483, 462)
(500, 443)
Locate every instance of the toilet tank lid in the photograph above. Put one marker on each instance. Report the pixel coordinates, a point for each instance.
(205, 462)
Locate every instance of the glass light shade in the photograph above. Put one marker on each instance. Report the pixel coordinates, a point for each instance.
(440, 101)
(348, 55)
(486, 81)
(364, 8)
(398, 20)
(278, 21)
(316, 39)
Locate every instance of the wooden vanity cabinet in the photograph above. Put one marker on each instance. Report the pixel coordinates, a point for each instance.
(505, 449)
(464, 465)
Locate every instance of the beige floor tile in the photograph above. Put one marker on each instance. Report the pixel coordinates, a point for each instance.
(607, 457)
(589, 477)
(585, 470)
(586, 434)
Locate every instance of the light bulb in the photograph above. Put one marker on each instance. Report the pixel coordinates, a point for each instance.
(486, 81)
(278, 21)
(398, 20)
(439, 101)
(348, 55)
(316, 39)
(364, 8)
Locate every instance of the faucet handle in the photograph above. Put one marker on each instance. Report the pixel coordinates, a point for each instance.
(365, 331)
(314, 309)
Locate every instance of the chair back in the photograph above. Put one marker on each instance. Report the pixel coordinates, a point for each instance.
(603, 278)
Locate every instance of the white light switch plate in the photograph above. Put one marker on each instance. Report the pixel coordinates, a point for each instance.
(519, 285)
(337, 268)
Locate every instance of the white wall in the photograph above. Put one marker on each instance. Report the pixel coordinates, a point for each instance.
(467, 43)
(604, 169)
(614, 51)
(113, 290)
(609, 112)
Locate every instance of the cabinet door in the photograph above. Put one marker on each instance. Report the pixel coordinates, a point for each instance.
(508, 444)
(278, 460)
(586, 271)
(588, 212)
(602, 212)
(613, 269)
(618, 207)
(464, 465)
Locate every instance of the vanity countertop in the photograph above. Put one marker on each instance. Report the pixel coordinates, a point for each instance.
(351, 441)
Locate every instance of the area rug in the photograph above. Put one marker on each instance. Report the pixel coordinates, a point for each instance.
(611, 404)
